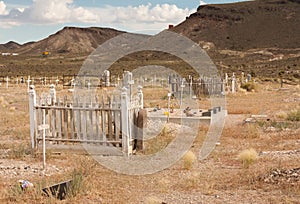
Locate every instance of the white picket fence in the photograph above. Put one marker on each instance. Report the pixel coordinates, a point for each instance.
(108, 121)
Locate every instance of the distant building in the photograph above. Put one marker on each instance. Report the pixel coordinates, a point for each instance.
(9, 54)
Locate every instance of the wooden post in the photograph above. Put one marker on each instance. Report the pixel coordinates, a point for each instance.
(233, 83)
(128, 81)
(43, 127)
(109, 120)
(44, 139)
(52, 95)
(59, 120)
(28, 82)
(125, 123)
(181, 94)
(223, 87)
(107, 78)
(32, 103)
(141, 124)
(191, 86)
(140, 96)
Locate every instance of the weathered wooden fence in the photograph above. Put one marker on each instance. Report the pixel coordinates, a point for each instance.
(86, 80)
(107, 120)
(199, 86)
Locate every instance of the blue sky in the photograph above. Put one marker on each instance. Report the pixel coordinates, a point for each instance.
(32, 20)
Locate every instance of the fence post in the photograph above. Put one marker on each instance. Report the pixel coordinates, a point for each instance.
(107, 78)
(28, 83)
(32, 103)
(52, 94)
(141, 125)
(233, 83)
(128, 81)
(125, 123)
(140, 96)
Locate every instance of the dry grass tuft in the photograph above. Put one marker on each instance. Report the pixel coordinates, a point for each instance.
(12, 109)
(294, 115)
(20, 151)
(281, 115)
(164, 185)
(188, 160)
(77, 185)
(250, 86)
(248, 157)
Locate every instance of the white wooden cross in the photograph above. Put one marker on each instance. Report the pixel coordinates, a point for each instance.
(44, 127)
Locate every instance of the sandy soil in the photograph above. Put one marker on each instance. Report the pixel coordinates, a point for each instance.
(221, 178)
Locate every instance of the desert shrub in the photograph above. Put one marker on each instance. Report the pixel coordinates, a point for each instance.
(188, 160)
(20, 151)
(248, 157)
(15, 192)
(249, 86)
(12, 109)
(294, 115)
(77, 183)
(281, 114)
(164, 131)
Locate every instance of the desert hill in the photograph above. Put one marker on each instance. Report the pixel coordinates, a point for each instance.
(70, 40)
(9, 46)
(245, 25)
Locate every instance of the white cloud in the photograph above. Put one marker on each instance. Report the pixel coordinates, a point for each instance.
(143, 17)
(57, 11)
(142, 14)
(202, 3)
(81, 14)
(3, 8)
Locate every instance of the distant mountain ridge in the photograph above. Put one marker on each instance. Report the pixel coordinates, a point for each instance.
(72, 40)
(236, 26)
(10, 46)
